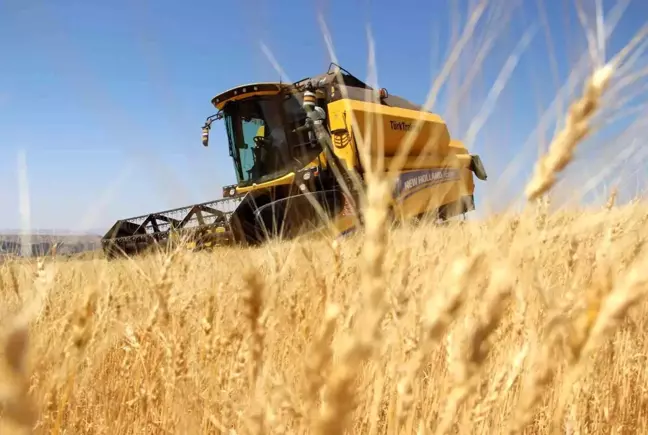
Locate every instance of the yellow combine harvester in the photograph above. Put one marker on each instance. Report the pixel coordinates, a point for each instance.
(295, 150)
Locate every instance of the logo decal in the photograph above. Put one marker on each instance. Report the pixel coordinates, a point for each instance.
(409, 182)
(403, 126)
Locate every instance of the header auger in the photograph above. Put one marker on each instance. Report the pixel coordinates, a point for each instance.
(294, 148)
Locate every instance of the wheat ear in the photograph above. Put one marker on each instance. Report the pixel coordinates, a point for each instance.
(577, 127)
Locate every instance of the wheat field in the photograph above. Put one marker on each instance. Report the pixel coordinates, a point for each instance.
(522, 323)
(530, 322)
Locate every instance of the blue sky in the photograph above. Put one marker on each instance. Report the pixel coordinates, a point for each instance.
(106, 99)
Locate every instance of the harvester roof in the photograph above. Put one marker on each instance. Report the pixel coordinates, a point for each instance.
(355, 88)
(244, 91)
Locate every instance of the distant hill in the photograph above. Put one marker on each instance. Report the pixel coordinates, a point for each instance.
(41, 243)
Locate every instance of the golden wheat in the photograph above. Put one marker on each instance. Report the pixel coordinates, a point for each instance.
(521, 323)
(323, 357)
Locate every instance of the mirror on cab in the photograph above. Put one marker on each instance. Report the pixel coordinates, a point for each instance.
(207, 126)
(205, 135)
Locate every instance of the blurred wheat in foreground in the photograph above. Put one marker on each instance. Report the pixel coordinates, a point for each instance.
(523, 323)
(519, 323)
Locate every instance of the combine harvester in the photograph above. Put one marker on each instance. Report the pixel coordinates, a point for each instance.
(295, 153)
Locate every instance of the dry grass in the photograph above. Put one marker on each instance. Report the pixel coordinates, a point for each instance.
(522, 323)
(518, 322)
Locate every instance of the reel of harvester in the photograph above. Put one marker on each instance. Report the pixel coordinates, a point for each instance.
(197, 226)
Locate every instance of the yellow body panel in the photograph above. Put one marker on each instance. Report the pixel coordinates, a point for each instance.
(436, 171)
(432, 135)
(431, 161)
(457, 147)
(341, 127)
(286, 179)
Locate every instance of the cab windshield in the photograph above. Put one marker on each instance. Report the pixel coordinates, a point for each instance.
(262, 142)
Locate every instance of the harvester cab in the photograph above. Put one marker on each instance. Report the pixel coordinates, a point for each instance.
(279, 143)
(295, 152)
